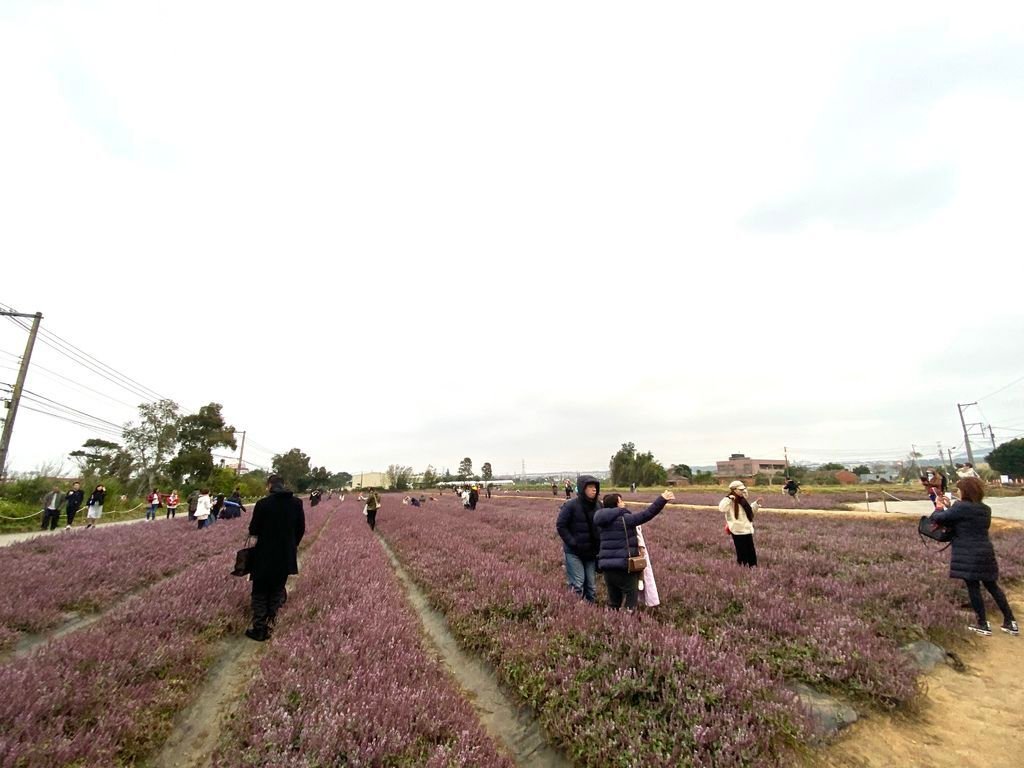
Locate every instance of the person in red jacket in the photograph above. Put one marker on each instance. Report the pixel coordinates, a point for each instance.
(153, 500)
(172, 504)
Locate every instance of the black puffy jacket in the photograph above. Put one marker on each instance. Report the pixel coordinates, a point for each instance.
(612, 525)
(575, 524)
(973, 554)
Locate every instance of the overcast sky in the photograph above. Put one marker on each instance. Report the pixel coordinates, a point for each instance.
(408, 232)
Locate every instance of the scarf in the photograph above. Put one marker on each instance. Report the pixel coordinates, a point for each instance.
(741, 501)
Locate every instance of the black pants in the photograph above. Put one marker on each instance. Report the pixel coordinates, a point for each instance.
(623, 587)
(170, 512)
(371, 518)
(745, 553)
(978, 604)
(71, 516)
(267, 598)
(50, 517)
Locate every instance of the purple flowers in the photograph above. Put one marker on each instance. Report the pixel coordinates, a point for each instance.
(346, 679)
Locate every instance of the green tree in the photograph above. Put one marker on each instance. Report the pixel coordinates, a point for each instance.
(293, 467)
(486, 472)
(683, 470)
(429, 479)
(152, 440)
(628, 466)
(341, 480)
(861, 470)
(703, 477)
(198, 435)
(399, 476)
(465, 468)
(319, 477)
(103, 458)
(621, 464)
(1008, 458)
(831, 466)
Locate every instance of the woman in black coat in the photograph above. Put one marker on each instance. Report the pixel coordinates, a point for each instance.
(974, 558)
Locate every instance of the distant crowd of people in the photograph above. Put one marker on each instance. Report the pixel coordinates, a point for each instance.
(202, 506)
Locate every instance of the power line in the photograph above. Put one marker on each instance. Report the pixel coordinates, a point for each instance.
(1016, 381)
(49, 400)
(94, 428)
(83, 359)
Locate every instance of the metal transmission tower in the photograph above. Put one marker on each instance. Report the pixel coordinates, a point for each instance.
(12, 405)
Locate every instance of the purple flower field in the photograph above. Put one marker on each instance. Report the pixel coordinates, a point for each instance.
(106, 695)
(86, 571)
(830, 605)
(705, 679)
(346, 680)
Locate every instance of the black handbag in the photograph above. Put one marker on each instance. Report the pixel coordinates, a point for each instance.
(928, 528)
(244, 559)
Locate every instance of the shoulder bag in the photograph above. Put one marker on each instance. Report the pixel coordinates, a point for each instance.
(633, 564)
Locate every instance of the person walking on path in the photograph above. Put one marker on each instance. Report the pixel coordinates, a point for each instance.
(974, 557)
(153, 500)
(372, 505)
(739, 520)
(474, 497)
(203, 506)
(648, 588)
(554, 489)
(74, 503)
(487, 488)
(278, 523)
(617, 527)
(51, 508)
(580, 538)
(95, 505)
(792, 487)
(172, 504)
(193, 501)
(568, 489)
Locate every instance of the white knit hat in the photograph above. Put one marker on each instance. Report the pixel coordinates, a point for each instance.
(737, 485)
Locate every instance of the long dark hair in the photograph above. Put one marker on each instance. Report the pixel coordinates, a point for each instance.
(741, 501)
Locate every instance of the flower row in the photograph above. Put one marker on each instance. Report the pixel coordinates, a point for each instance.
(346, 680)
(610, 689)
(106, 695)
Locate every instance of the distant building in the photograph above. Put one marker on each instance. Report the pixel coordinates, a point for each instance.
(370, 480)
(845, 477)
(880, 477)
(739, 465)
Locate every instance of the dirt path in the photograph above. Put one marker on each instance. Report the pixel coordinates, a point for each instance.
(511, 725)
(198, 728)
(970, 719)
(197, 731)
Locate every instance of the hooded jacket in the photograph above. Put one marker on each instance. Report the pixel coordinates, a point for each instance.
(973, 554)
(616, 548)
(278, 523)
(575, 524)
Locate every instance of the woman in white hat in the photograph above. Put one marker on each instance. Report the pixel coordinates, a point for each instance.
(739, 519)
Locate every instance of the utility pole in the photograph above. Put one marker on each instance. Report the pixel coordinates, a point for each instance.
(952, 466)
(992, 435)
(785, 454)
(12, 406)
(967, 440)
(241, 451)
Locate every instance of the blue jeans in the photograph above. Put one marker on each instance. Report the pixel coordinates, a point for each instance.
(151, 512)
(581, 576)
